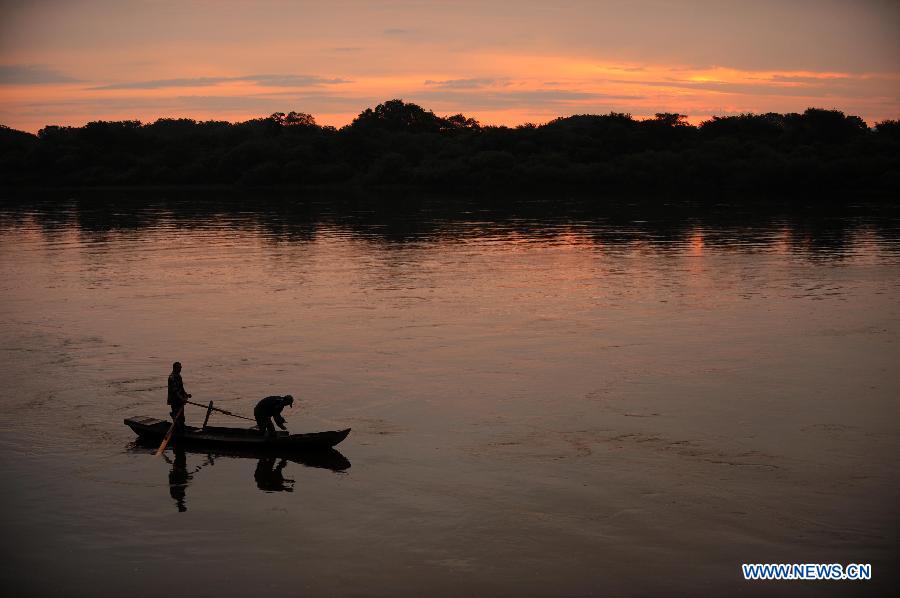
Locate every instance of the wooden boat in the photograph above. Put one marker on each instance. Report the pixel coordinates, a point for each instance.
(151, 428)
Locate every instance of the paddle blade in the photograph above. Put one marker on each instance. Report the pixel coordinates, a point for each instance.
(168, 437)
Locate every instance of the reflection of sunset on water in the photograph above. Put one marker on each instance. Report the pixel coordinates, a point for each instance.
(695, 242)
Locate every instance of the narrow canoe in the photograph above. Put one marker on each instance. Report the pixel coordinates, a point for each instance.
(151, 428)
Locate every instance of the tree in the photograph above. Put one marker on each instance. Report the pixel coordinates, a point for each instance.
(302, 119)
(672, 119)
(459, 122)
(397, 115)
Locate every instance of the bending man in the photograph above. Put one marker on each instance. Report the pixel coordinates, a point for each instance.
(268, 409)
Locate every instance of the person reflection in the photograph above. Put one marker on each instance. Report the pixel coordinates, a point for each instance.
(269, 477)
(178, 479)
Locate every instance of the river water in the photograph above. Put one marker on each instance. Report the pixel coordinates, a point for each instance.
(547, 399)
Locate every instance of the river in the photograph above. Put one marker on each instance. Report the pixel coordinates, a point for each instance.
(546, 397)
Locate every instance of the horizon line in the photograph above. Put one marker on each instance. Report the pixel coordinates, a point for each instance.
(691, 120)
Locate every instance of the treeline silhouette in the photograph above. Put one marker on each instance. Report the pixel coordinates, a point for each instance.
(401, 144)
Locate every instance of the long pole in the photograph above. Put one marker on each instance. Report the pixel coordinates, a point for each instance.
(220, 410)
(162, 447)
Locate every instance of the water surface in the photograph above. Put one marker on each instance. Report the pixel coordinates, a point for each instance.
(548, 399)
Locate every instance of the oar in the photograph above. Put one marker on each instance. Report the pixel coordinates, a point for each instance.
(168, 437)
(220, 410)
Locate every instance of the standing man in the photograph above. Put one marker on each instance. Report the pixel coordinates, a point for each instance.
(177, 397)
(270, 408)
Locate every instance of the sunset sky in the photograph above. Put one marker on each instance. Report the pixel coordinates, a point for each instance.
(69, 62)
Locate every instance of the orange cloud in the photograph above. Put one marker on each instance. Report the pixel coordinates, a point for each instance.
(496, 88)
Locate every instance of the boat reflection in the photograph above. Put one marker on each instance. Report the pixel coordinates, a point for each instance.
(268, 475)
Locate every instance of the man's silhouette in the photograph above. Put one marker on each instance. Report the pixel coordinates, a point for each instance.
(177, 397)
(268, 409)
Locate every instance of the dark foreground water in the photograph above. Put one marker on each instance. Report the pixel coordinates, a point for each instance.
(547, 400)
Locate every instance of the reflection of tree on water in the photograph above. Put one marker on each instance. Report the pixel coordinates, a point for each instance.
(269, 477)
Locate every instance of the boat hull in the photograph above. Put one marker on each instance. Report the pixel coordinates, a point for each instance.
(151, 428)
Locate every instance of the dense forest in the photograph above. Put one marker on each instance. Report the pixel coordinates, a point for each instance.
(402, 144)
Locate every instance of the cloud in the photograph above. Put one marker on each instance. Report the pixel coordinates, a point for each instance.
(314, 101)
(258, 104)
(396, 32)
(14, 74)
(779, 85)
(808, 79)
(161, 83)
(534, 98)
(465, 83)
(261, 80)
(292, 80)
